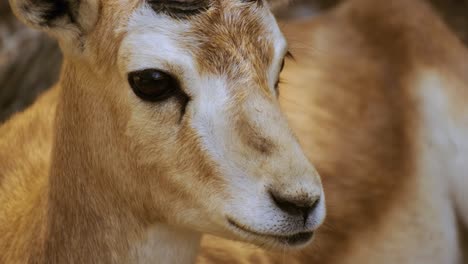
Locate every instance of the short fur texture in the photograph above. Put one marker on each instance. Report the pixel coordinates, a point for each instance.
(118, 173)
(376, 96)
(376, 99)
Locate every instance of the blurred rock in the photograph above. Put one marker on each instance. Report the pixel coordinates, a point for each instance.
(29, 63)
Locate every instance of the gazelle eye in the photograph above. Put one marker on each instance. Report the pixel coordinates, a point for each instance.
(279, 79)
(153, 85)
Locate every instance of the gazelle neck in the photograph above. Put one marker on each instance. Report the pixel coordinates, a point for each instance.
(97, 213)
(164, 244)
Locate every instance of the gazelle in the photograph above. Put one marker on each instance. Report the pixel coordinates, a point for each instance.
(378, 98)
(165, 125)
(377, 105)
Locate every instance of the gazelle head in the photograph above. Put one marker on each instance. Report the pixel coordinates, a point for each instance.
(191, 88)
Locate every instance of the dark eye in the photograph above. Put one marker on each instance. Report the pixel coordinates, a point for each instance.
(279, 79)
(153, 85)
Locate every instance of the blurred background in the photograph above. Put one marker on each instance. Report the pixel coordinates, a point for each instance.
(30, 61)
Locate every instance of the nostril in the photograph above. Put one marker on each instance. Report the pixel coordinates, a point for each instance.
(312, 208)
(296, 206)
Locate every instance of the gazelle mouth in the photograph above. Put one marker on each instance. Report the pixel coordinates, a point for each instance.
(297, 239)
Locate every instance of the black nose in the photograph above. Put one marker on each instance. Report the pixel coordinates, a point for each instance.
(296, 206)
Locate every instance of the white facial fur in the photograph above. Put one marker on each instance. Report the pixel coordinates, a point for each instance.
(447, 143)
(157, 41)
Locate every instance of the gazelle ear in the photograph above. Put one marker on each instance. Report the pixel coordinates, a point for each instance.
(57, 16)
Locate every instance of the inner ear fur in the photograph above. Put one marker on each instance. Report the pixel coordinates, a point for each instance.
(57, 15)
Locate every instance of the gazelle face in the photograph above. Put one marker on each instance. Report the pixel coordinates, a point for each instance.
(196, 83)
(218, 130)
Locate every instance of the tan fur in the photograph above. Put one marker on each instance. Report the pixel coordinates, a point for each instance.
(354, 99)
(110, 178)
(27, 135)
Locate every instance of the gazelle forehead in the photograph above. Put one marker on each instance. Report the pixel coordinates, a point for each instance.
(235, 34)
(229, 37)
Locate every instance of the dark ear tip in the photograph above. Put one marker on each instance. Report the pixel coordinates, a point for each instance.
(56, 9)
(40, 12)
(67, 20)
